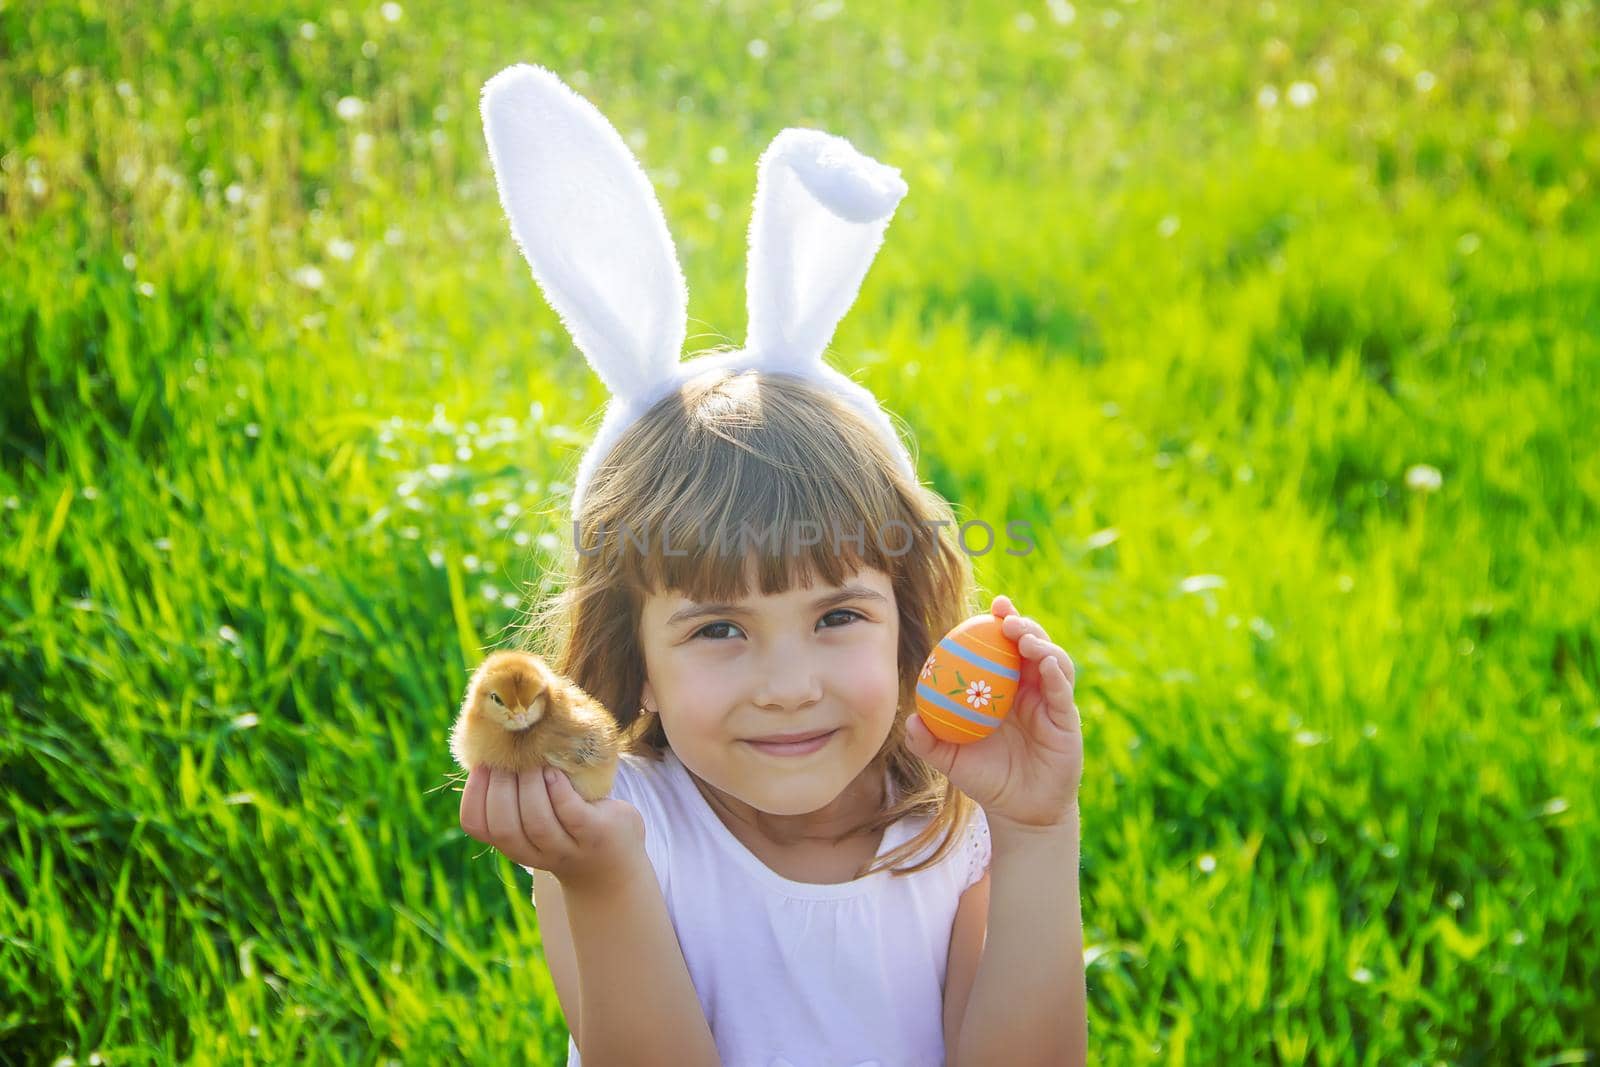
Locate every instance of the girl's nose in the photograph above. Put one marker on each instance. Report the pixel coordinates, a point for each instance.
(790, 679)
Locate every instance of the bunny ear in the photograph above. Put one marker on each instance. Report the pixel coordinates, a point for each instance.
(589, 224)
(820, 211)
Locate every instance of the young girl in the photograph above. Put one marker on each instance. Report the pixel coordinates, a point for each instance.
(790, 870)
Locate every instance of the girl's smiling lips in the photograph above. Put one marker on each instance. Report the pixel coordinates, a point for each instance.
(791, 744)
(789, 738)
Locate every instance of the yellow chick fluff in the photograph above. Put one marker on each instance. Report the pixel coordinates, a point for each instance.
(519, 714)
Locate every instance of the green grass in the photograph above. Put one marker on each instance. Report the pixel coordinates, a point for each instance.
(284, 428)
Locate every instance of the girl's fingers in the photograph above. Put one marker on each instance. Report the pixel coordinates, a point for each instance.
(1063, 709)
(1002, 607)
(1069, 670)
(1040, 646)
(1023, 625)
(941, 755)
(472, 804)
(1034, 644)
(539, 823)
(500, 809)
(570, 808)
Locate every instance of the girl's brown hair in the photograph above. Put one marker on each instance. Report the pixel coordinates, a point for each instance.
(758, 453)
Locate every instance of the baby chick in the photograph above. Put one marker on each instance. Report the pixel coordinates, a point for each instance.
(519, 714)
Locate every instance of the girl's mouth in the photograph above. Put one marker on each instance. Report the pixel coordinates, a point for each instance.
(792, 748)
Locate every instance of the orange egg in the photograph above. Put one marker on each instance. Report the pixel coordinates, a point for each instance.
(969, 681)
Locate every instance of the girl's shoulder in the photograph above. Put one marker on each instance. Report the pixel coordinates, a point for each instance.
(967, 859)
(970, 852)
(647, 783)
(977, 850)
(641, 777)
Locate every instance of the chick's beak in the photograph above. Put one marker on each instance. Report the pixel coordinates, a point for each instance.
(527, 716)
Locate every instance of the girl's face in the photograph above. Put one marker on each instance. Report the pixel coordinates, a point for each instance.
(724, 678)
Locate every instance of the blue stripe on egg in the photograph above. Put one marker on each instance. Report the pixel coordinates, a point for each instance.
(979, 661)
(939, 700)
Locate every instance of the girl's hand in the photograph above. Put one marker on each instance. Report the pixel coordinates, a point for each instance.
(537, 819)
(1027, 772)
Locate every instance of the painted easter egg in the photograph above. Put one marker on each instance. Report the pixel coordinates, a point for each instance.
(969, 681)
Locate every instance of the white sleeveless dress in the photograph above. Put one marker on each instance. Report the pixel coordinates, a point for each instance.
(796, 974)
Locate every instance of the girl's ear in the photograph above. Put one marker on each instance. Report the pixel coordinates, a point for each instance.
(589, 224)
(820, 211)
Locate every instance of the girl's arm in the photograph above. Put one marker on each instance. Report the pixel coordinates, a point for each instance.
(636, 1003)
(1027, 1004)
(1028, 998)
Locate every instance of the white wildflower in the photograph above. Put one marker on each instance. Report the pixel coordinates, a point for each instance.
(1423, 478)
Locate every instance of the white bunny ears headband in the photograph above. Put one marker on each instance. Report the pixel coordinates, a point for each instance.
(588, 222)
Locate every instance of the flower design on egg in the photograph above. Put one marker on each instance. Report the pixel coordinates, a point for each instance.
(978, 693)
(927, 668)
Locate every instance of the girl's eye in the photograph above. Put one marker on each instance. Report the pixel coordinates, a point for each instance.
(712, 626)
(849, 615)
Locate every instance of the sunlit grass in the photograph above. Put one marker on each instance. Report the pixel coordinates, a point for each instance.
(1279, 322)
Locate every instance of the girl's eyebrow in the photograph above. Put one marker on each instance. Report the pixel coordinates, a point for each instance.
(848, 592)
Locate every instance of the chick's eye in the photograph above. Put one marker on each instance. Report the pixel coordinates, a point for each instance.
(496, 698)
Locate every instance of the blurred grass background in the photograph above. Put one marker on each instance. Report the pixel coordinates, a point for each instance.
(1279, 321)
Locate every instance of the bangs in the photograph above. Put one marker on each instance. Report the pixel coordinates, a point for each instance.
(739, 516)
(749, 484)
